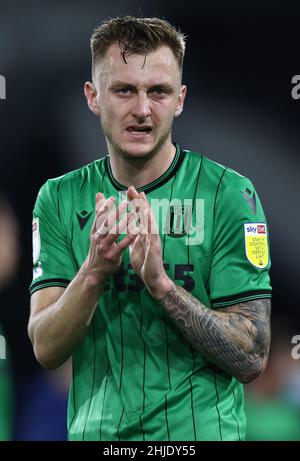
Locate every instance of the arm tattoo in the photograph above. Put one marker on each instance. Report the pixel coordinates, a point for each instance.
(236, 338)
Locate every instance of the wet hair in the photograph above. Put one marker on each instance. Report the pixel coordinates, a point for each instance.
(136, 35)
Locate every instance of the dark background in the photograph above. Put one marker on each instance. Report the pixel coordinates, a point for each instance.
(240, 60)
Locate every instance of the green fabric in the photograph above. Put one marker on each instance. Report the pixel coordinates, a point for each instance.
(6, 396)
(135, 377)
(271, 419)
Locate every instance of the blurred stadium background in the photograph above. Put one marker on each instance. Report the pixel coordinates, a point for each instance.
(241, 57)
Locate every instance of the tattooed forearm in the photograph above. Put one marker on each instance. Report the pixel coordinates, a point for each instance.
(236, 338)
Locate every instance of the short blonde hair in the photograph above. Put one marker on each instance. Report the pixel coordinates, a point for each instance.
(136, 35)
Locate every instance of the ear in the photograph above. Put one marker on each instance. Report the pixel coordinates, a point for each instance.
(180, 102)
(91, 97)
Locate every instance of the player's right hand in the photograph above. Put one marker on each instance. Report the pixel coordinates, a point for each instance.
(105, 254)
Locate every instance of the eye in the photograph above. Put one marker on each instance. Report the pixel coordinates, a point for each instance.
(124, 91)
(159, 91)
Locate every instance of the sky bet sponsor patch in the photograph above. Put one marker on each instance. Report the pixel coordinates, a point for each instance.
(256, 244)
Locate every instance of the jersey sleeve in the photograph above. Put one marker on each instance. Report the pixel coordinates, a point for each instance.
(52, 260)
(241, 256)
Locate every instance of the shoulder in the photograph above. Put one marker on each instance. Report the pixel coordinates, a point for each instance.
(72, 181)
(220, 174)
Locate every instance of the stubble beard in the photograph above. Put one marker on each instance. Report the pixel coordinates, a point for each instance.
(137, 158)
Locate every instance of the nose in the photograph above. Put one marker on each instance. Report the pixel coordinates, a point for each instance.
(141, 108)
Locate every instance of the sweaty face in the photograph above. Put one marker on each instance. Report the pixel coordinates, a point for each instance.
(138, 100)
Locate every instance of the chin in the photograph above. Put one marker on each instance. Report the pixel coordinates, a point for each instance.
(136, 150)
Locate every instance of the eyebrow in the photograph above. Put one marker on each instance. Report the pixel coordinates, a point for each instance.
(120, 83)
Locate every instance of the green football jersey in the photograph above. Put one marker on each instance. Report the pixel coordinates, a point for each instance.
(135, 377)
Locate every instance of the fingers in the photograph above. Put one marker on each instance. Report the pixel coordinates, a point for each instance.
(103, 209)
(151, 224)
(125, 242)
(102, 213)
(122, 207)
(127, 223)
(100, 200)
(132, 233)
(135, 202)
(129, 227)
(107, 214)
(109, 220)
(99, 196)
(134, 196)
(147, 219)
(107, 223)
(142, 221)
(139, 203)
(132, 193)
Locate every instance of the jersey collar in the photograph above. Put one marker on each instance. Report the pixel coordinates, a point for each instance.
(171, 171)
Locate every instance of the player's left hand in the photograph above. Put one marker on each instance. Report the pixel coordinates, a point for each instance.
(146, 251)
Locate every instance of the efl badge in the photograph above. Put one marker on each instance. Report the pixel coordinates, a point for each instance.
(37, 270)
(178, 220)
(256, 244)
(36, 240)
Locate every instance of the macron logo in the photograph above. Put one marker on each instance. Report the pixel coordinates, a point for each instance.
(83, 218)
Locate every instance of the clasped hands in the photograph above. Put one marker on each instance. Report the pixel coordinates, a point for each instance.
(135, 217)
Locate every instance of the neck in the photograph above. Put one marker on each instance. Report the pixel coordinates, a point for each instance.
(141, 171)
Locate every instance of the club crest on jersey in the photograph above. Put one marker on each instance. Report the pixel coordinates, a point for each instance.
(256, 244)
(179, 219)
